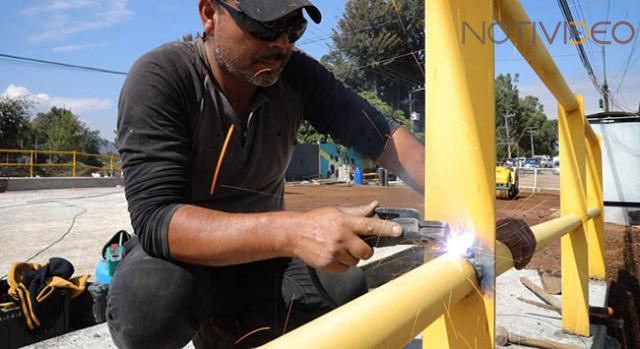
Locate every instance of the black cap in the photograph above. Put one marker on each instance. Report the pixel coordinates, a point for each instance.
(269, 10)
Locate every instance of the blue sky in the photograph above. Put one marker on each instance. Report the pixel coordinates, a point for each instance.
(111, 34)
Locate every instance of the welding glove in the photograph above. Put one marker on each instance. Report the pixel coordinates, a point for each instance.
(41, 289)
(519, 238)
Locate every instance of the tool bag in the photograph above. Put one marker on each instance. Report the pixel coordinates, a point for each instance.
(41, 289)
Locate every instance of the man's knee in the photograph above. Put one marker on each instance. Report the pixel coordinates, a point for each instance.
(154, 303)
(316, 293)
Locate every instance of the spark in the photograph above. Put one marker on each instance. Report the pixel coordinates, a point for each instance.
(286, 321)
(221, 159)
(459, 243)
(259, 329)
(266, 70)
(373, 124)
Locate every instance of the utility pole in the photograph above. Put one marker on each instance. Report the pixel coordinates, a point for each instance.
(506, 124)
(605, 86)
(531, 132)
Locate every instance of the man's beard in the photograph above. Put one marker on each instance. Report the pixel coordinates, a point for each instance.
(260, 78)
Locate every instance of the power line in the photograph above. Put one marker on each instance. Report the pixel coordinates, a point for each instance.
(524, 59)
(566, 12)
(328, 37)
(389, 60)
(628, 62)
(60, 64)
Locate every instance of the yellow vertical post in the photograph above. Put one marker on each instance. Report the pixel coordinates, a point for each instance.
(111, 172)
(460, 151)
(74, 163)
(31, 156)
(575, 259)
(595, 226)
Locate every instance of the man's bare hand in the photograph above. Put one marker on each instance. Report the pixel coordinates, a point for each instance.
(362, 211)
(328, 238)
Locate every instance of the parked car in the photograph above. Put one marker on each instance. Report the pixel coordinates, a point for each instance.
(532, 164)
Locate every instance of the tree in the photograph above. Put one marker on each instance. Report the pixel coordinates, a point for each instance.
(386, 110)
(307, 134)
(14, 122)
(190, 37)
(524, 114)
(379, 46)
(60, 129)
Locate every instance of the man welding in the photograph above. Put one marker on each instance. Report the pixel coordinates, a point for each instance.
(206, 130)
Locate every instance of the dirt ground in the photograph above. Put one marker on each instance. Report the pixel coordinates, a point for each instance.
(622, 244)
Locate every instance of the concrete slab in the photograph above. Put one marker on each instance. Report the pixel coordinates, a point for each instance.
(70, 223)
(96, 337)
(535, 322)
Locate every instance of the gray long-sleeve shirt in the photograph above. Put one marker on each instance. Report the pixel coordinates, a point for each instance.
(173, 120)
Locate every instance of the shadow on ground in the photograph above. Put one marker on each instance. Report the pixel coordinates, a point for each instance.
(624, 296)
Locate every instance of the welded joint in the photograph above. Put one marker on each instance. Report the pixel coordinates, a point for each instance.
(483, 262)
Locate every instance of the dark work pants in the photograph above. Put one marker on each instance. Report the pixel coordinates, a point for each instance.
(155, 303)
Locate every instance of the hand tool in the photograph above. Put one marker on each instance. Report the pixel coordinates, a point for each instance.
(504, 337)
(554, 304)
(414, 230)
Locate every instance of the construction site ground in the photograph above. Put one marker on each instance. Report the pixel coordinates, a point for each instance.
(75, 223)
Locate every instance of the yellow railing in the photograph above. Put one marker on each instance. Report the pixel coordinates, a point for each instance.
(26, 158)
(444, 295)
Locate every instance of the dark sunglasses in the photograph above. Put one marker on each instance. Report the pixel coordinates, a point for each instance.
(294, 27)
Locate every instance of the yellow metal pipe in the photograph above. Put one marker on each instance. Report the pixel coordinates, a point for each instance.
(515, 22)
(595, 226)
(31, 153)
(53, 165)
(391, 315)
(14, 151)
(592, 137)
(545, 233)
(574, 248)
(550, 231)
(75, 163)
(460, 125)
(593, 212)
(12, 164)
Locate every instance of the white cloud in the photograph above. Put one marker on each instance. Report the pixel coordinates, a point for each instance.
(63, 18)
(75, 47)
(57, 5)
(43, 102)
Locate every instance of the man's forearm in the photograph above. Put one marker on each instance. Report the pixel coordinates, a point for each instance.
(404, 155)
(207, 237)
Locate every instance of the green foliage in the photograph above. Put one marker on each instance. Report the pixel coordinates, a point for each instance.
(524, 114)
(60, 129)
(14, 122)
(386, 110)
(309, 135)
(190, 37)
(375, 48)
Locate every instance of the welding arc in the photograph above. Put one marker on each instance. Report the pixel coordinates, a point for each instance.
(220, 159)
